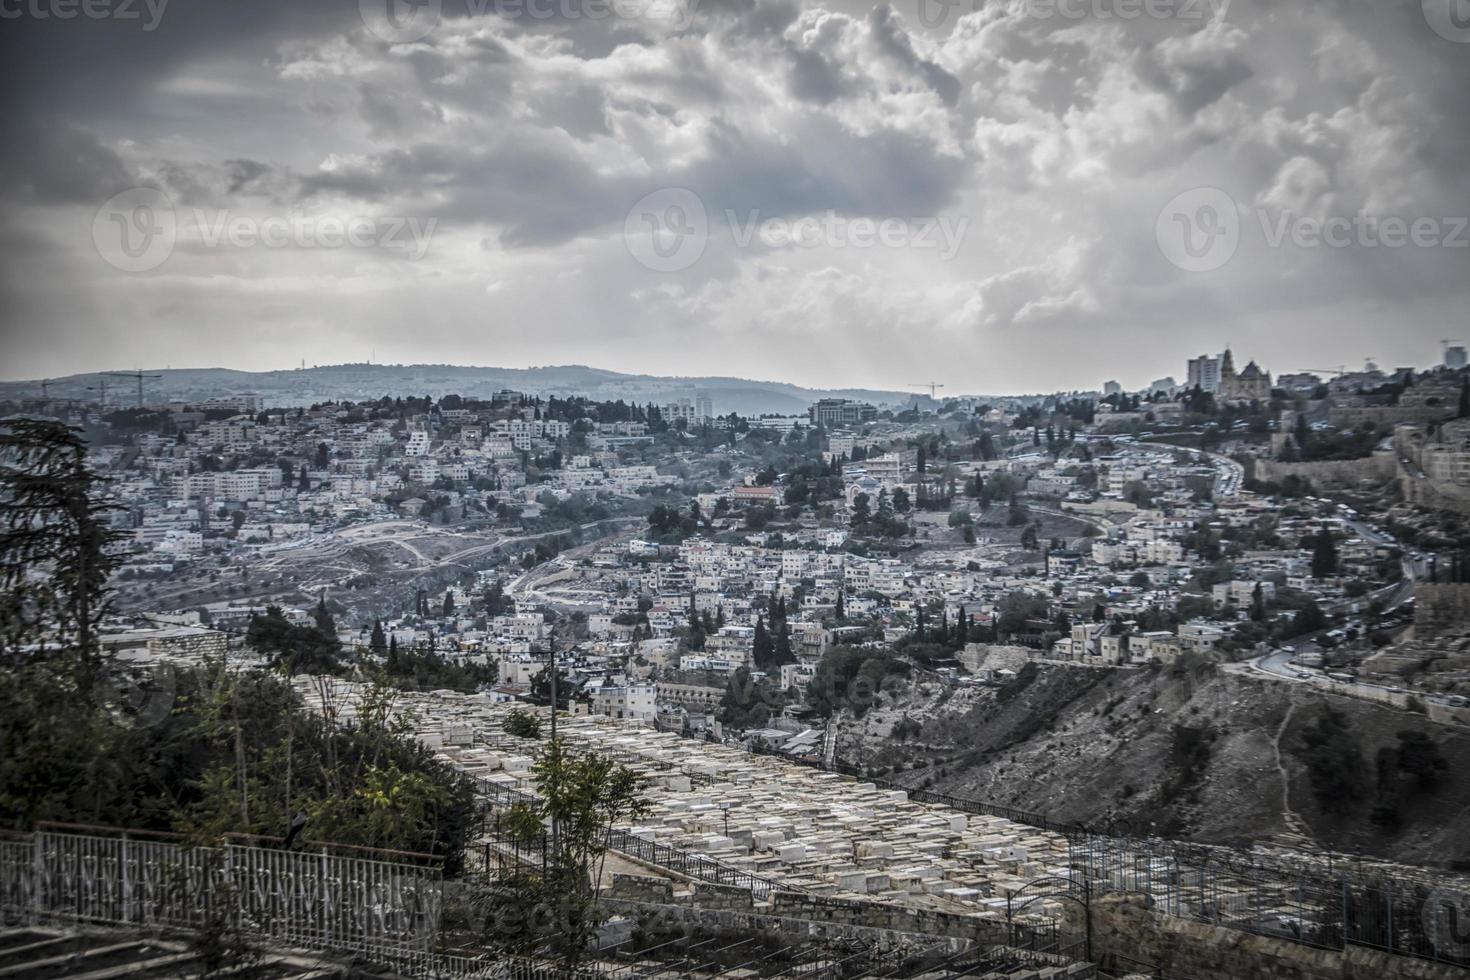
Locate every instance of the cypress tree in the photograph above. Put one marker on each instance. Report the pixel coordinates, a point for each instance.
(761, 650)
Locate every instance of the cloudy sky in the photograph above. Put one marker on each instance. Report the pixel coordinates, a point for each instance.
(1000, 196)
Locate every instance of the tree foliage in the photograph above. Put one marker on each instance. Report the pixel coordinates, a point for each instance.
(551, 906)
(56, 548)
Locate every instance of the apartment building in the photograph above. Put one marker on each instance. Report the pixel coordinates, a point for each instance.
(637, 702)
(835, 412)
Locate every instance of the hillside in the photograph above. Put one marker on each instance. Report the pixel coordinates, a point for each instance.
(1203, 754)
(363, 381)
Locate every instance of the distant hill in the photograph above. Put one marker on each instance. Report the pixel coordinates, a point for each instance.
(360, 381)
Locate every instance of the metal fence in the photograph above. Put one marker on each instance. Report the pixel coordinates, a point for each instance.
(381, 909)
(1330, 907)
(694, 865)
(1322, 902)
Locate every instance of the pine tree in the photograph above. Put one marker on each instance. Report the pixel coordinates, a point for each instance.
(695, 628)
(840, 612)
(52, 519)
(323, 617)
(1324, 555)
(379, 642)
(961, 632)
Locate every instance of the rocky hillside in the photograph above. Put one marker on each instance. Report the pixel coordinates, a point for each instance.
(1195, 752)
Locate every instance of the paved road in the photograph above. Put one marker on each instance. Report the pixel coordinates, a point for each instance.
(1278, 664)
(1229, 475)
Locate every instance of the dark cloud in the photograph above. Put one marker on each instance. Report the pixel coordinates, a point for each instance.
(52, 161)
(529, 138)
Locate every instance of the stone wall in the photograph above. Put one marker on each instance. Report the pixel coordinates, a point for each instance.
(1417, 486)
(1447, 714)
(899, 918)
(825, 911)
(1440, 606)
(976, 657)
(1379, 467)
(1104, 507)
(669, 918)
(1435, 494)
(1126, 935)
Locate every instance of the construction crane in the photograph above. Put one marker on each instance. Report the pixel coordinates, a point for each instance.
(933, 387)
(48, 383)
(140, 376)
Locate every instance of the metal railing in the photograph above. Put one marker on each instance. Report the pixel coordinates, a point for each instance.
(377, 908)
(694, 865)
(1332, 907)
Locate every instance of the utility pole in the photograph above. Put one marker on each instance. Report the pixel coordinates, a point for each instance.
(555, 775)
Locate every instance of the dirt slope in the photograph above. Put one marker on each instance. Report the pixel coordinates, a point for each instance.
(1200, 754)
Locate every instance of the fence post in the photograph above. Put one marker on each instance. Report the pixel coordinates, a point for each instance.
(127, 878)
(37, 878)
(237, 914)
(1434, 943)
(321, 879)
(1389, 892)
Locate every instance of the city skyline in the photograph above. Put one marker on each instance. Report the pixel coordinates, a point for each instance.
(1180, 375)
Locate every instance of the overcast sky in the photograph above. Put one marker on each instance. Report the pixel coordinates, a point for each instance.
(997, 196)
